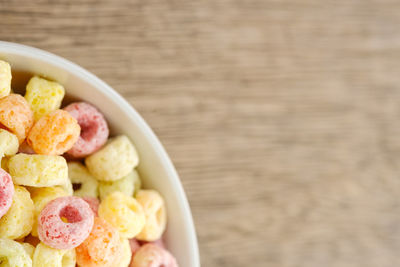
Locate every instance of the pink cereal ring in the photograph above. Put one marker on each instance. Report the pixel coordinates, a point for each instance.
(56, 233)
(6, 192)
(94, 129)
(93, 203)
(151, 255)
(158, 242)
(134, 244)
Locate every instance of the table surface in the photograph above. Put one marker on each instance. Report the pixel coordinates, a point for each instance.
(282, 117)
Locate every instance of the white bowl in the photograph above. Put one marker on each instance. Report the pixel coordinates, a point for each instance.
(155, 167)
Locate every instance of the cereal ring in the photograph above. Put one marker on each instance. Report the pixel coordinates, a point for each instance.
(93, 203)
(5, 78)
(126, 254)
(84, 183)
(124, 213)
(56, 233)
(151, 255)
(48, 256)
(94, 129)
(156, 216)
(17, 222)
(101, 248)
(29, 249)
(16, 115)
(54, 133)
(6, 192)
(13, 254)
(25, 148)
(43, 96)
(8, 143)
(4, 164)
(158, 242)
(38, 170)
(40, 197)
(114, 161)
(127, 185)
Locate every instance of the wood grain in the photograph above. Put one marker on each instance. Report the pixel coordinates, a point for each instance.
(282, 117)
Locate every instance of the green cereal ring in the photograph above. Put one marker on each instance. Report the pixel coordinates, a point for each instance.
(128, 185)
(13, 254)
(79, 175)
(18, 220)
(46, 256)
(38, 170)
(116, 159)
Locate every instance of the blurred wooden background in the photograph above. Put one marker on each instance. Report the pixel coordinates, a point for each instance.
(282, 116)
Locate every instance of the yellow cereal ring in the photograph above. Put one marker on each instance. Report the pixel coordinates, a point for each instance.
(46, 256)
(40, 197)
(38, 170)
(81, 177)
(5, 78)
(124, 213)
(13, 254)
(114, 161)
(43, 96)
(54, 133)
(127, 185)
(16, 115)
(156, 215)
(8, 143)
(4, 163)
(126, 255)
(18, 220)
(29, 249)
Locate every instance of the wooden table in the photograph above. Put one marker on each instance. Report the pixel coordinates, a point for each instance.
(282, 117)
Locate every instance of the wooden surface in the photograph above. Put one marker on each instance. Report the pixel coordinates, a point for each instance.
(282, 117)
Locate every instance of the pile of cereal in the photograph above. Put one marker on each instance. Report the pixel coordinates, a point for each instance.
(88, 211)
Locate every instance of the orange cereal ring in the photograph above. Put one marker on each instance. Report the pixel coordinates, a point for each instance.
(16, 115)
(102, 248)
(54, 134)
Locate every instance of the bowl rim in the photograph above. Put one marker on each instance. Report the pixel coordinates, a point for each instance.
(42, 55)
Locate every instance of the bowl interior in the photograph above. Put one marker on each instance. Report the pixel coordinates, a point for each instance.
(155, 168)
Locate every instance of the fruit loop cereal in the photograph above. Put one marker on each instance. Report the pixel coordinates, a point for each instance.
(38, 170)
(54, 133)
(8, 143)
(55, 232)
(156, 216)
(124, 213)
(43, 96)
(47, 256)
(5, 78)
(13, 254)
(101, 248)
(16, 115)
(6, 192)
(70, 196)
(40, 197)
(151, 255)
(18, 221)
(86, 184)
(114, 161)
(94, 129)
(127, 185)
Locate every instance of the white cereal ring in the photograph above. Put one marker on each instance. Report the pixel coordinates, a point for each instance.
(114, 160)
(46, 256)
(40, 197)
(43, 96)
(124, 213)
(38, 170)
(127, 185)
(5, 78)
(13, 254)
(84, 183)
(18, 221)
(156, 215)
